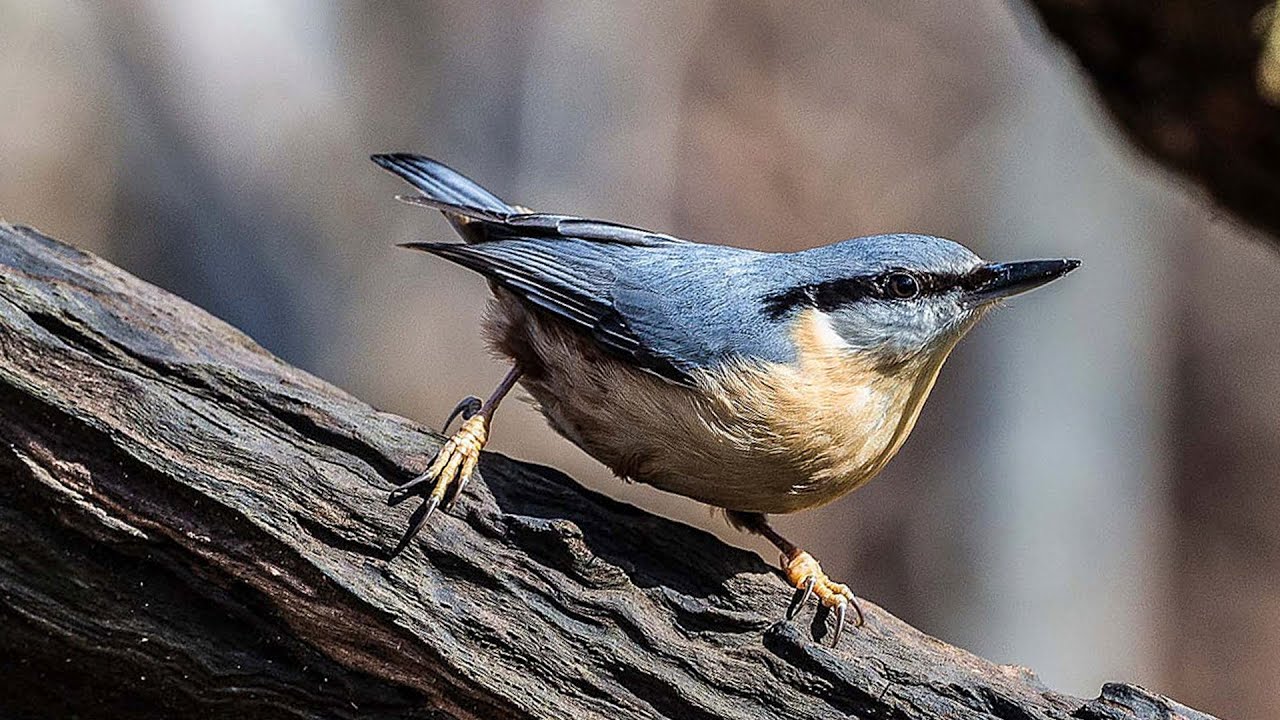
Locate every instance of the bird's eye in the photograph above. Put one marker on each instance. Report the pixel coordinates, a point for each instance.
(902, 286)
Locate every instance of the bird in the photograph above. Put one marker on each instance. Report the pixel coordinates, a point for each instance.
(756, 382)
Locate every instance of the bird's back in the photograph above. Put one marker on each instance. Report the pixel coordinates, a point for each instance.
(667, 306)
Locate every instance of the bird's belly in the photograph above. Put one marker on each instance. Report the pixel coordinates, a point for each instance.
(725, 443)
(659, 438)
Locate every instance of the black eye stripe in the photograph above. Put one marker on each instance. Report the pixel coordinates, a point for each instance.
(831, 294)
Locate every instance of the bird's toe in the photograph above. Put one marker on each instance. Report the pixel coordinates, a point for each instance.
(444, 480)
(806, 575)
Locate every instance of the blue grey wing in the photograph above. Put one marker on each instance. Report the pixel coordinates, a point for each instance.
(498, 225)
(705, 313)
(663, 304)
(569, 226)
(574, 281)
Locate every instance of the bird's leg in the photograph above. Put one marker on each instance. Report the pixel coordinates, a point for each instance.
(453, 465)
(804, 573)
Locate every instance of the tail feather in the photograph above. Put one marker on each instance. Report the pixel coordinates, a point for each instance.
(442, 184)
(454, 209)
(480, 216)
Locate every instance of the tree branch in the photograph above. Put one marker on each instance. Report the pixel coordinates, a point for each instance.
(189, 526)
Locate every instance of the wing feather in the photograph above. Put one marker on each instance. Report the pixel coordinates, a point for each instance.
(573, 290)
(570, 267)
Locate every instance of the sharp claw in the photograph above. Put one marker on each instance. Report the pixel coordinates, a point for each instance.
(467, 407)
(407, 490)
(455, 492)
(801, 596)
(399, 494)
(416, 521)
(857, 610)
(841, 609)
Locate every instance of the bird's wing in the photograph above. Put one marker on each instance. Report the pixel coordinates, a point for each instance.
(656, 301)
(596, 289)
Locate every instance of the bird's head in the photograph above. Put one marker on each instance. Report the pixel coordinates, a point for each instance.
(898, 299)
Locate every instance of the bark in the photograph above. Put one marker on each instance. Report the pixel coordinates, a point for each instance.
(190, 526)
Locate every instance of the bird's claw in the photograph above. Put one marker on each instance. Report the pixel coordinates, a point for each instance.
(806, 575)
(802, 595)
(448, 474)
(416, 521)
(467, 407)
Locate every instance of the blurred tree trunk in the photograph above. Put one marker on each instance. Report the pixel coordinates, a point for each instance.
(1226, 536)
(1195, 84)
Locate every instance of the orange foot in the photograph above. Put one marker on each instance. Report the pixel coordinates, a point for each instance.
(446, 477)
(807, 576)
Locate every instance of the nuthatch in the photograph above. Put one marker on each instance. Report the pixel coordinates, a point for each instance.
(751, 381)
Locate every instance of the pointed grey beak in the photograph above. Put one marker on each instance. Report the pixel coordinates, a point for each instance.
(996, 281)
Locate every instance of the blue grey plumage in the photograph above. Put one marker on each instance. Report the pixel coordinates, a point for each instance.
(671, 307)
(629, 288)
(637, 300)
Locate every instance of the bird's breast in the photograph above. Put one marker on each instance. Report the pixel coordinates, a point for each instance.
(837, 417)
(755, 437)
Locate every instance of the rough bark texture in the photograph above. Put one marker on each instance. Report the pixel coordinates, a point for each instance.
(191, 527)
(1181, 78)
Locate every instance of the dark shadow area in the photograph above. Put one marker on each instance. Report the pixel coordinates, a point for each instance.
(652, 551)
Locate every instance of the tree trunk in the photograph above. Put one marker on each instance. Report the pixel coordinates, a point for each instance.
(192, 527)
(1194, 83)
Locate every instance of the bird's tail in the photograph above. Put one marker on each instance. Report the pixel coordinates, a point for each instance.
(445, 189)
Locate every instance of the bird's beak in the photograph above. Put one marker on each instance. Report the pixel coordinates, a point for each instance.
(996, 281)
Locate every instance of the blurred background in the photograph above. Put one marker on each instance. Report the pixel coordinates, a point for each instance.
(1092, 490)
